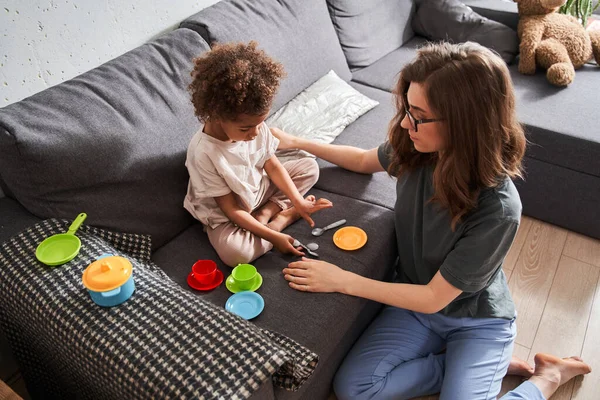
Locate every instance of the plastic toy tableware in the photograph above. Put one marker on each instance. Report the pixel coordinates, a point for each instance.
(61, 248)
(247, 305)
(350, 238)
(308, 250)
(205, 275)
(233, 287)
(109, 280)
(244, 277)
(320, 231)
(313, 246)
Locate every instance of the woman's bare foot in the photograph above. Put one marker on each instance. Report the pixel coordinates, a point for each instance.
(519, 367)
(286, 217)
(551, 372)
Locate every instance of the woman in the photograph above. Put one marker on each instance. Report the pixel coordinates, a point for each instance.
(448, 324)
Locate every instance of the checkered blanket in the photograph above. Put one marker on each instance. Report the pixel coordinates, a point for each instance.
(164, 342)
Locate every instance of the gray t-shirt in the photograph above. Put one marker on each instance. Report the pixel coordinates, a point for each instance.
(471, 257)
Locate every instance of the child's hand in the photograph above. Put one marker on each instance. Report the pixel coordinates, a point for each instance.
(284, 243)
(286, 141)
(309, 205)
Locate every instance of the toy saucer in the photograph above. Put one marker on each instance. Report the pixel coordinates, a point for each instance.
(247, 305)
(198, 286)
(234, 288)
(350, 238)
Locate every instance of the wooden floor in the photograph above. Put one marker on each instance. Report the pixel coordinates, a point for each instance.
(553, 275)
(7, 393)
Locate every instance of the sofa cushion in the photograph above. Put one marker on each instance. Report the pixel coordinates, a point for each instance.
(368, 30)
(451, 20)
(326, 323)
(367, 132)
(383, 73)
(504, 11)
(320, 113)
(299, 34)
(110, 142)
(561, 123)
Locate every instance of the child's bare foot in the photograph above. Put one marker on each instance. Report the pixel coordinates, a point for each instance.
(519, 367)
(284, 218)
(551, 372)
(266, 212)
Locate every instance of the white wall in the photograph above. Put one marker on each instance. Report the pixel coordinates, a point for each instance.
(43, 43)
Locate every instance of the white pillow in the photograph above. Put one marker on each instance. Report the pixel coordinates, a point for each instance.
(320, 112)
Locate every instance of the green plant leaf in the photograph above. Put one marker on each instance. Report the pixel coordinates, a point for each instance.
(580, 9)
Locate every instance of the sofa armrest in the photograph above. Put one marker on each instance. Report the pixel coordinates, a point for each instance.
(503, 11)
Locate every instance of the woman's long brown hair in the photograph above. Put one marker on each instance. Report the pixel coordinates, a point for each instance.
(469, 87)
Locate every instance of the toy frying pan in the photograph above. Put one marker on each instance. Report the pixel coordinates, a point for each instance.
(61, 248)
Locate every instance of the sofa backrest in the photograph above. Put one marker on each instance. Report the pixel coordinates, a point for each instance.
(297, 33)
(368, 30)
(110, 142)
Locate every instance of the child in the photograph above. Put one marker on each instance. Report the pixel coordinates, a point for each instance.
(238, 188)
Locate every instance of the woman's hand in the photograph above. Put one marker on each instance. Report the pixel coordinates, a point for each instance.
(316, 276)
(284, 243)
(309, 205)
(286, 141)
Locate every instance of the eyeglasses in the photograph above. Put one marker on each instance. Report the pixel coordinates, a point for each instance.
(414, 123)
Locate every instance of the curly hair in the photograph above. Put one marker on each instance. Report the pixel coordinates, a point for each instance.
(469, 87)
(233, 79)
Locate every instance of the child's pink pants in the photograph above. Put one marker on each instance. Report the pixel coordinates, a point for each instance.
(235, 245)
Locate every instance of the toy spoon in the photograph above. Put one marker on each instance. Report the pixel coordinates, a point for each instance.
(313, 246)
(297, 243)
(320, 231)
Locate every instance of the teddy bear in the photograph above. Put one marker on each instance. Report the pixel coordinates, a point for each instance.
(553, 41)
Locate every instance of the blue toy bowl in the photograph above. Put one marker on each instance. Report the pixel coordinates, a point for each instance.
(114, 297)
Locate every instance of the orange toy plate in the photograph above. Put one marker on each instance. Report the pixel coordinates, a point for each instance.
(350, 238)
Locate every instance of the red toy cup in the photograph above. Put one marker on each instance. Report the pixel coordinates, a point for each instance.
(204, 271)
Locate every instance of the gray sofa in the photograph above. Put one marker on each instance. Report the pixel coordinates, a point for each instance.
(112, 143)
(562, 163)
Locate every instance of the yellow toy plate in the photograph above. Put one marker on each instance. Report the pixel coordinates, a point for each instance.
(350, 238)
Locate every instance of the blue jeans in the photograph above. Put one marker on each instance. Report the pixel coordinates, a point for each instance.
(399, 357)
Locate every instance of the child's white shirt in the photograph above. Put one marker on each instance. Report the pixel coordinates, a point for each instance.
(217, 168)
